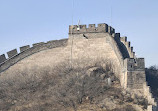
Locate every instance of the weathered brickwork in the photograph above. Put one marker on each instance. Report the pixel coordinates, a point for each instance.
(89, 44)
(23, 48)
(14, 57)
(12, 53)
(2, 58)
(99, 49)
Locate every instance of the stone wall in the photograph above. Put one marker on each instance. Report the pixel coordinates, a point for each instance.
(132, 72)
(101, 28)
(128, 47)
(88, 45)
(97, 47)
(26, 51)
(135, 72)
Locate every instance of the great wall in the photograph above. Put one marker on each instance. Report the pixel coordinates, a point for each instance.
(86, 43)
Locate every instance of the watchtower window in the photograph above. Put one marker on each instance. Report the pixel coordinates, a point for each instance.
(131, 66)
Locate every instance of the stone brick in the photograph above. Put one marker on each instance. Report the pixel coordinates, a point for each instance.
(23, 48)
(36, 44)
(2, 58)
(12, 53)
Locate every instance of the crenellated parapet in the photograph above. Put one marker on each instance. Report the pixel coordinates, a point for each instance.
(91, 28)
(25, 51)
(128, 46)
(23, 48)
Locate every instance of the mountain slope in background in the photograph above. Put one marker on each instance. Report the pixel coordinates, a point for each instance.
(152, 79)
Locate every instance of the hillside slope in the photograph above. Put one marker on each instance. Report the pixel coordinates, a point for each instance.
(62, 88)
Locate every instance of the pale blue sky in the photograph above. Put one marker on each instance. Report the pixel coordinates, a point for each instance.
(24, 22)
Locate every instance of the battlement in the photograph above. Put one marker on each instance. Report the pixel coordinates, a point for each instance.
(14, 56)
(134, 64)
(92, 28)
(128, 46)
(2, 58)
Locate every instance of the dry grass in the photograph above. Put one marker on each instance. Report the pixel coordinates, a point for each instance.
(62, 88)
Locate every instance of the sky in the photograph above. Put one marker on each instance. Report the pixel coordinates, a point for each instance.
(24, 22)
